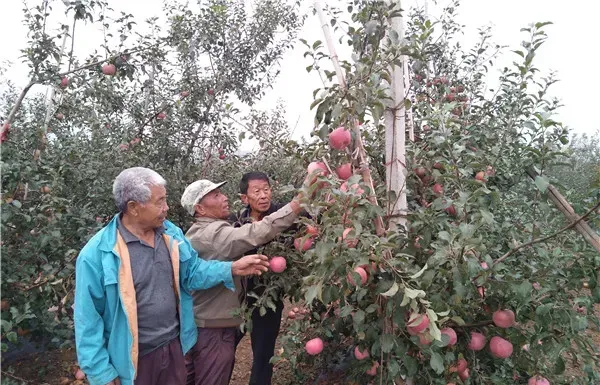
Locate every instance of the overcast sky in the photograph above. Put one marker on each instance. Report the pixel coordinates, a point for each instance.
(569, 50)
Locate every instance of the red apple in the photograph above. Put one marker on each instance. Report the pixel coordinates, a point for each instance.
(350, 242)
(363, 276)
(464, 375)
(438, 189)
(161, 116)
(277, 264)
(450, 210)
(500, 347)
(45, 190)
(420, 172)
(291, 314)
(418, 324)
(361, 355)
(451, 334)
(314, 346)
(484, 265)
(344, 171)
(354, 189)
(477, 341)
(303, 245)
(340, 138)
(538, 380)
(64, 82)
(60, 116)
(424, 339)
(373, 370)
(222, 156)
(503, 318)
(318, 168)
(210, 91)
(438, 166)
(109, 69)
(312, 230)
(480, 176)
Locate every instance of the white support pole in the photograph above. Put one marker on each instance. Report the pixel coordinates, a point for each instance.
(395, 139)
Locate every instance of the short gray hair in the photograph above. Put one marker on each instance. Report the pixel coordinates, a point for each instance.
(133, 184)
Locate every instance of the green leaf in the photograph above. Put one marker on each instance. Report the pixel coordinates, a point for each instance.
(419, 273)
(11, 336)
(523, 290)
(559, 366)
(391, 291)
(313, 292)
(412, 366)
(359, 317)
(596, 294)
(542, 183)
(487, 217)
(387, 343)
(346, 310)
(437, 363)
(445, 236)
(542, 310)
(412, 293)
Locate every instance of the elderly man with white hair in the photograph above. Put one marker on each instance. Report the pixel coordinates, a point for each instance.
(134, 319)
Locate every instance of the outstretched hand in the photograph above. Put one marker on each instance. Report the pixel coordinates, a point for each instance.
(254, 264)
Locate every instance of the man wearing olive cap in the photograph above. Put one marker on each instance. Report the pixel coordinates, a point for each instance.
(216, 239)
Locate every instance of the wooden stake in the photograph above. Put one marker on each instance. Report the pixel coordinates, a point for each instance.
(564, 207)
(395, 139)
(362, 157)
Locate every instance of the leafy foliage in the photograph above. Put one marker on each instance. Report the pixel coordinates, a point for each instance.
(173, 105)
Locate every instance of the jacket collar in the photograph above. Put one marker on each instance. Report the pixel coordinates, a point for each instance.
(108, 234)
(245, 213)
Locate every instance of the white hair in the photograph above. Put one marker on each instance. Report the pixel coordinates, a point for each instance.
(133, 184)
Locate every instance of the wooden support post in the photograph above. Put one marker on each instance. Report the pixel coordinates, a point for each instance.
(564, 207)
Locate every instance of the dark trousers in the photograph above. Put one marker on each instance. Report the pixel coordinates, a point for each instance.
(263, 336)
(213, 356)
(163, 366)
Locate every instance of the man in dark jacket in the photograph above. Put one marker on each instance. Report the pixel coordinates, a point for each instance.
(256, 193)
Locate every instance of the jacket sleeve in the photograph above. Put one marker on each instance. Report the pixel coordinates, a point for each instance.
(230, 243)
(199, 274)
(90, 298)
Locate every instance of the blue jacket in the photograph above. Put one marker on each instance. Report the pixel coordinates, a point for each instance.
(106, 331)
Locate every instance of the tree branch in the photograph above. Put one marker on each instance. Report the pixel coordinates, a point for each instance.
(511, 252)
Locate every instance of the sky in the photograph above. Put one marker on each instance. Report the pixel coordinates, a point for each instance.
(569, 50)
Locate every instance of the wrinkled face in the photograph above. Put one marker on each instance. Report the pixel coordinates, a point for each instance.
(258, 196)
(213, 205)
(153, 213)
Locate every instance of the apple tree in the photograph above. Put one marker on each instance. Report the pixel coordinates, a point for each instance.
(485, 283)
(169, 97)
